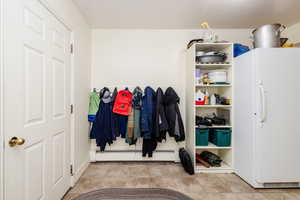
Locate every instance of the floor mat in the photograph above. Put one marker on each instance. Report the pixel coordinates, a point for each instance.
(133, 194)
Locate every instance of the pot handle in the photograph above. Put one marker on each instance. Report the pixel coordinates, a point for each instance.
(280, 29)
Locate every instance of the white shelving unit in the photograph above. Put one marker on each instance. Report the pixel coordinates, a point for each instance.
(226, 153)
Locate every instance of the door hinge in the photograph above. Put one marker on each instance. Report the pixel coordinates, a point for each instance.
(71, 108)
(71, 48)
(71, 170)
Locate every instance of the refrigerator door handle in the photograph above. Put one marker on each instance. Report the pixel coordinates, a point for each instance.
(263, 103)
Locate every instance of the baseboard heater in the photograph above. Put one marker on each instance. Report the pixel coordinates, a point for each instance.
(282, 185)
(136, 151)
(134, 155)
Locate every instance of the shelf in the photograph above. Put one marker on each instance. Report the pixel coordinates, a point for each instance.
(212, 46)
(220, 85)
(211, 146)
(217, 126)
(223, 169)
(213, 106)
(213, 66)
(216, 64)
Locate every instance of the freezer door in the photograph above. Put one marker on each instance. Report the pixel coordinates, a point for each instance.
(277, 135)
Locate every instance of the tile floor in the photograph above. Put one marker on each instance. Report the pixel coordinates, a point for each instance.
(172, 176)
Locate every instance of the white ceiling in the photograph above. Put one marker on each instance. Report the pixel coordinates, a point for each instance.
(188, 14)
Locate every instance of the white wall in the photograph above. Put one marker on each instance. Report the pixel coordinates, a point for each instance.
(293, 33)
(147, 57)
(70, 14)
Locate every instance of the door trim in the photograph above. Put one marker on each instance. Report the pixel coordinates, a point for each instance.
(1, 105)
(72, 118)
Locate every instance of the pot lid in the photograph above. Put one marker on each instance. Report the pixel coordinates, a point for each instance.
(276, 24)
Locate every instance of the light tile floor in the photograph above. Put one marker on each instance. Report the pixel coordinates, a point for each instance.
(172, 176)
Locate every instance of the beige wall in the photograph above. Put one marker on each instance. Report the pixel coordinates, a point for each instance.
(147, 57)
(293, 33)
(68, 12)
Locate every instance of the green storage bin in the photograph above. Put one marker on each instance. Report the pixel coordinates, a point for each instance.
(220, 137)
(202, 137)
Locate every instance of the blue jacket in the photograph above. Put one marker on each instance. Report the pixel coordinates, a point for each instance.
(148, 114)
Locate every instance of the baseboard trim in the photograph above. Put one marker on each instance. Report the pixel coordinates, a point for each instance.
(79, 172)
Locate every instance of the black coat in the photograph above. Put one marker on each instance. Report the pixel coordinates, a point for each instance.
(161, 124)
(176, 127)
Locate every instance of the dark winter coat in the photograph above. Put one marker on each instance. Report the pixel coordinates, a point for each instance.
(102, 127)
(148, 114)
(115, 119)
(161, 123)
(176, 127)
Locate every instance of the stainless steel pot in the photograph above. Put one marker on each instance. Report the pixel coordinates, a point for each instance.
(267, 36)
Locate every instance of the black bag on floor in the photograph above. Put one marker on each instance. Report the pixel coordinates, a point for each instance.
(186, 161)
(212, 159)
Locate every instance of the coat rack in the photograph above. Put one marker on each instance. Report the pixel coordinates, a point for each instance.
(121, 151)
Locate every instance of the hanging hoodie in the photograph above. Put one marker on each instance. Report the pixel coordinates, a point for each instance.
(130, 129)
(137, 106)
(122, 108)
(102, 129)
(161, 123)
(93, 106)
(133, 126)
(176, 127)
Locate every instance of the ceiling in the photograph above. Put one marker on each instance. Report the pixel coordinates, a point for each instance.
(188, 14)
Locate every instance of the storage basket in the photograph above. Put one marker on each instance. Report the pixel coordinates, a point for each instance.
(202, 137)
(220, 137)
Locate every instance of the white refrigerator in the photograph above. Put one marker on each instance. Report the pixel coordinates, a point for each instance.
(267, 117)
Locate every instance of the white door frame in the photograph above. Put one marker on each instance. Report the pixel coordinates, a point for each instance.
(72, 119)
(72, 93)
(1, 104)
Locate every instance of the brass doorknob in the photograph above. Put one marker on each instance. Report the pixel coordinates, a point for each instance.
(14, 141)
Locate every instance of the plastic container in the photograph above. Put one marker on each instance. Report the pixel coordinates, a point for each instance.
(199, 103)
(213, 99)
(220, 137)
(198, 76)
(217, 76)
(240, 49)
(202, 137)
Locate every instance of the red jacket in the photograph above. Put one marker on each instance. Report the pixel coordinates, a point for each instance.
(123, 103)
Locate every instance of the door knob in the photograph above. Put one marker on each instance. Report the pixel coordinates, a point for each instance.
(14, 141)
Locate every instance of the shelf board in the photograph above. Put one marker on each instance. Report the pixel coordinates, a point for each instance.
(212, 46)
(211, 146)
(224, 168)
(220, 85)
(212, 64)
(213, 106)
(217, 126)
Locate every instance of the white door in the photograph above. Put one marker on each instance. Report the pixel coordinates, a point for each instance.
(36, 102)
(278, 111)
